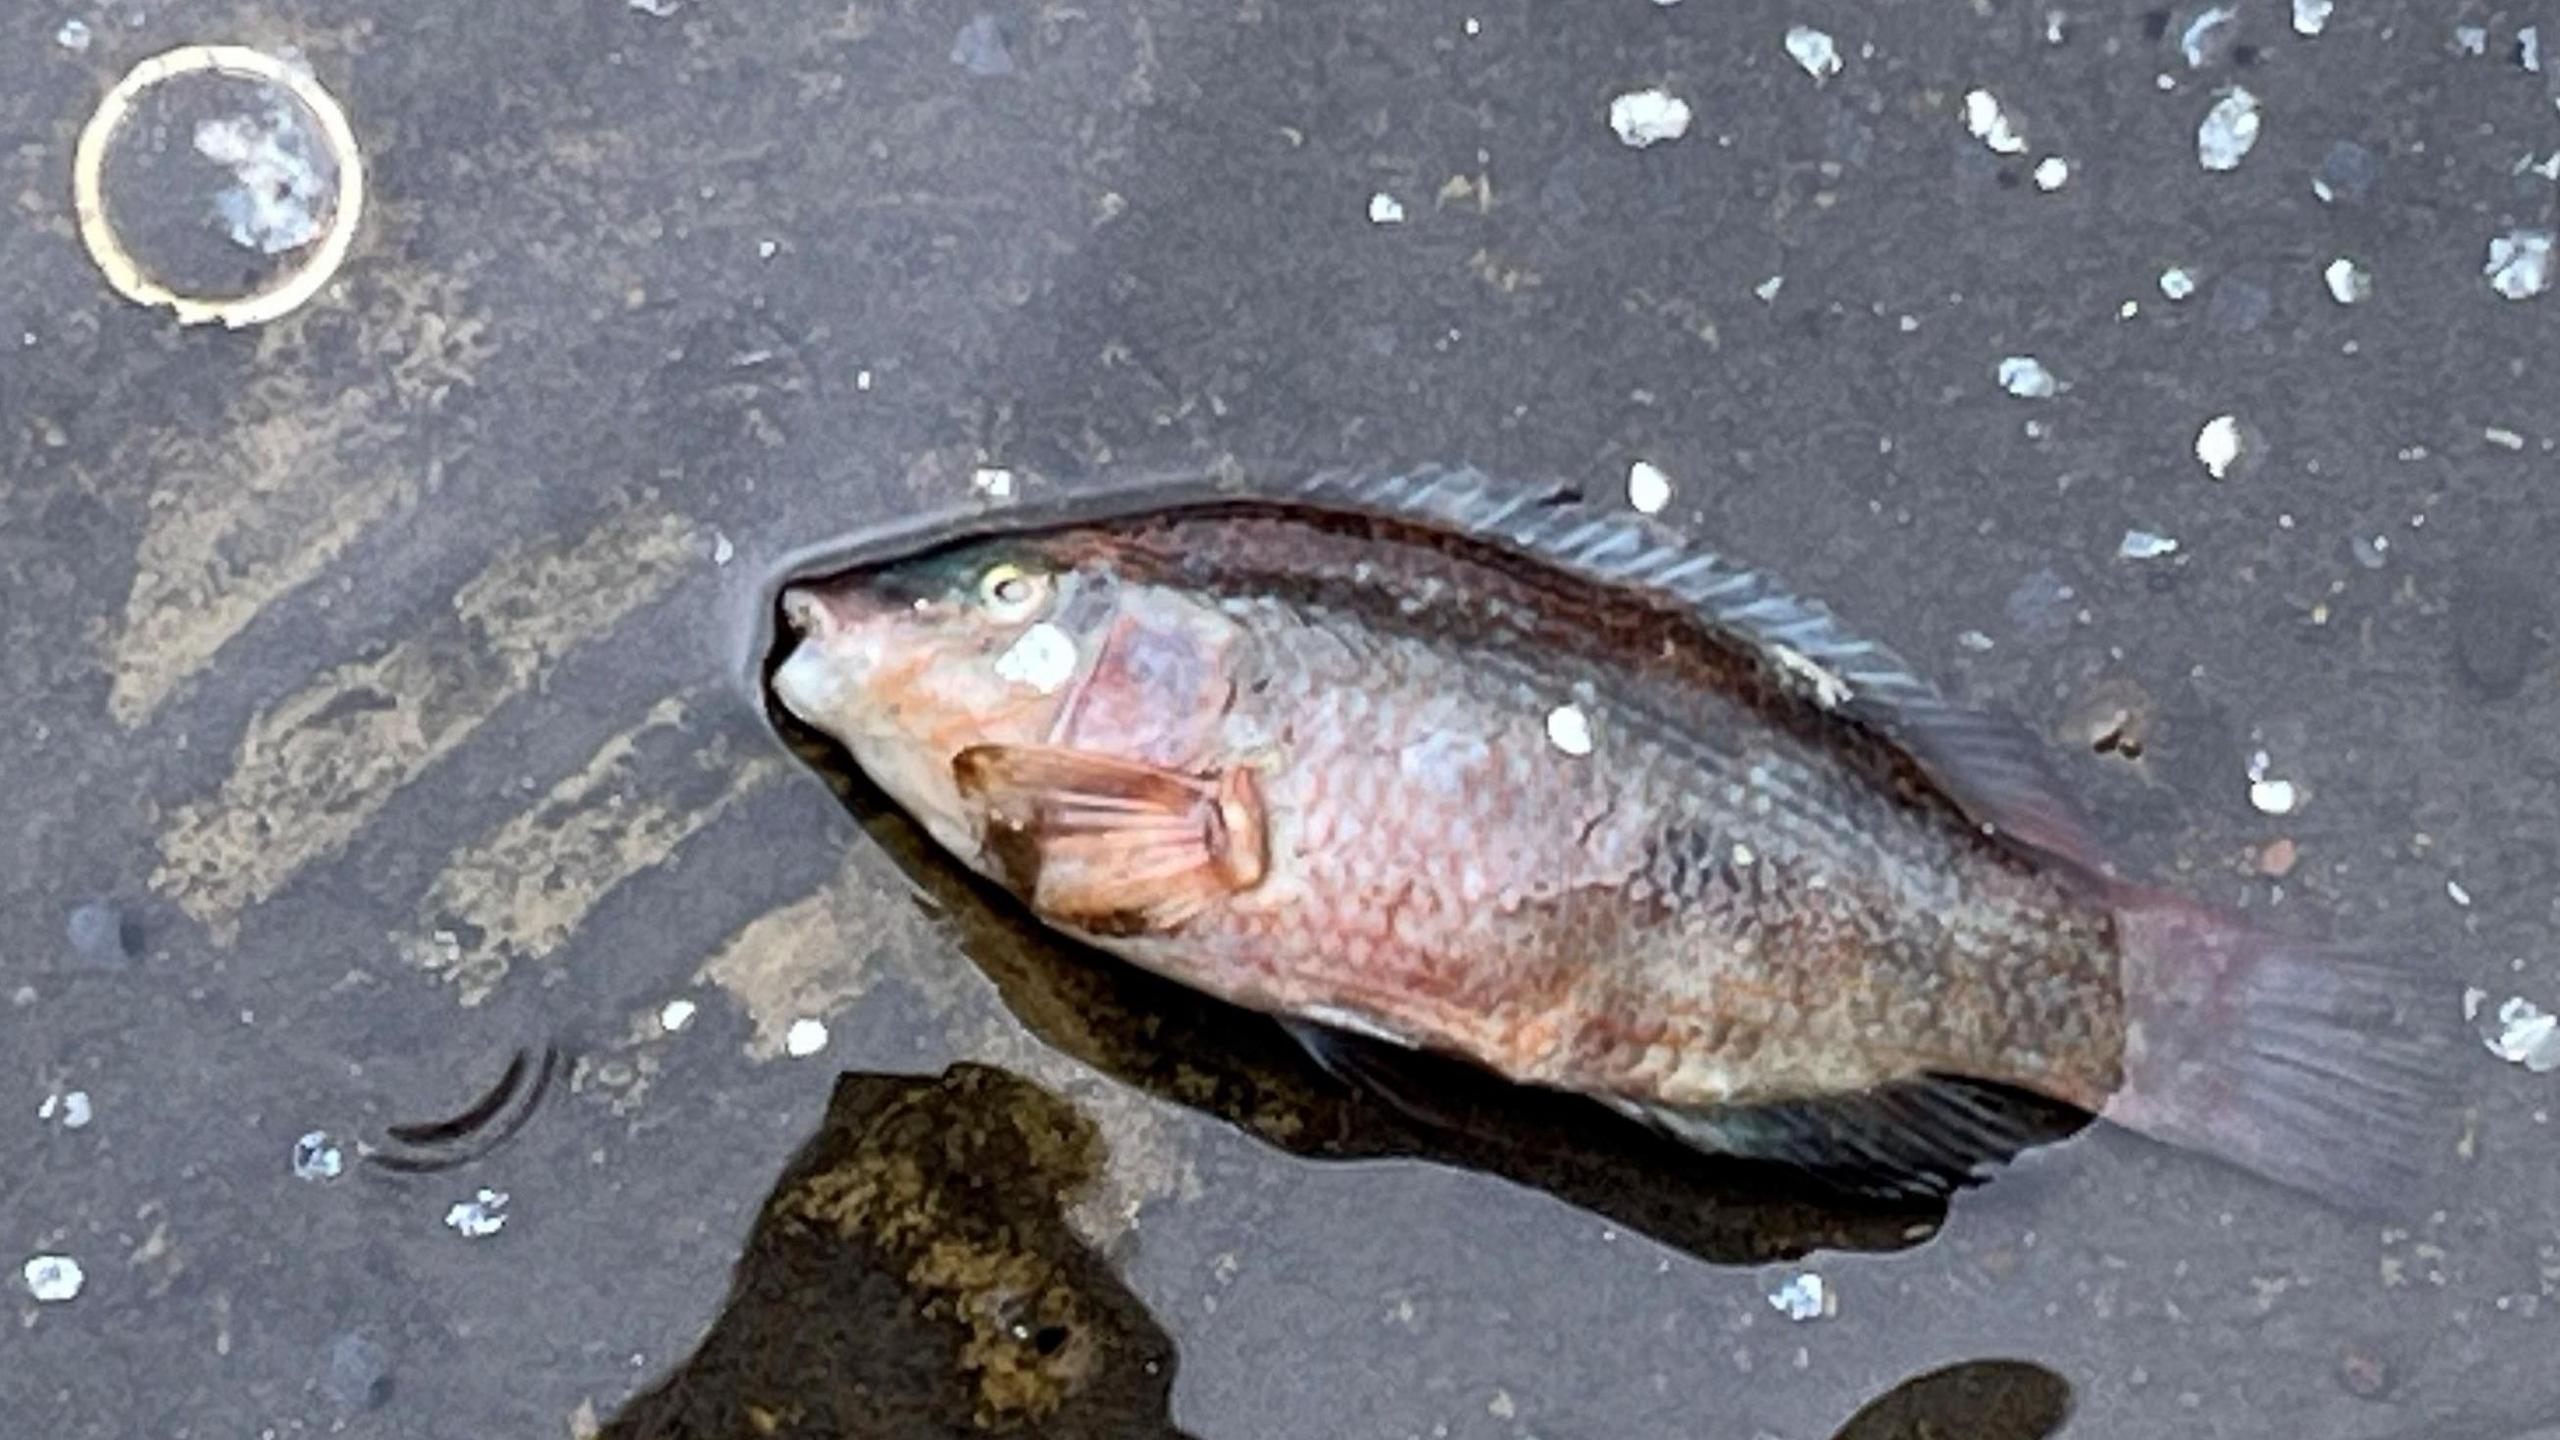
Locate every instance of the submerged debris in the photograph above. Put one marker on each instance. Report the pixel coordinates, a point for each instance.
(1990, 124)
(70, 1108)
(2209, 37)
(1648, 487)
(2520, 263)
(2229, 131)
(1803, 1297)
(806, 1037)
(481, 1216)
(2026, 377)
(2218, 445)
(53, 1279)
(1569, 730)
(315, 1157)
(2346, 173)
(980, 48)
(1813, 49)
(2146, 545)
(2518, 1031)
(1647, 117)
(73, 36)
(104, 935)
(2268, 795)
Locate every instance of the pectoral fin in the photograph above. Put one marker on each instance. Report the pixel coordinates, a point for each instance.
(1113, 846)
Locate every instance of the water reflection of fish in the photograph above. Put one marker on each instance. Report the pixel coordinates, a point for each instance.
(1444, 762)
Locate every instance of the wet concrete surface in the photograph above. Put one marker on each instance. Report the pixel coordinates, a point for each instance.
(379, 669)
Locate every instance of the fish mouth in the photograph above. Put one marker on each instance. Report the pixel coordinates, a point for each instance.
(822, 674)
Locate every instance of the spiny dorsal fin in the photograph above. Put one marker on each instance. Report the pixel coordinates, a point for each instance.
(1992, 768)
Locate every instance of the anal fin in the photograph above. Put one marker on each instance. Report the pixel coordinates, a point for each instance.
(1109, 845)
(1919, 1137)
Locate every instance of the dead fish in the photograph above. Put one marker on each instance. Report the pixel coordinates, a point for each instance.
(1445, 762)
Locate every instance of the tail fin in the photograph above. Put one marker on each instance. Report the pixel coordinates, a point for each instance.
(2314, 1066)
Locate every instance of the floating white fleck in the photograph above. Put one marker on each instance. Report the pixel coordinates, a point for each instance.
(1743, 855)
(861, 379)
(2529, 48)
(1829, 690)
(1768, 289)
(1646, 117)
(1804, 1297)
(1813, 49)
(1990, 124)
(2268, 795)
(660, 9)
(1569, 730)
(2522, 1033)
(2548, 168)
(767, 249)
(1474, 26)
(481, 1216)
(1648, 487)
(2520, 263)
(2229, 130)
(1042, 658)
(993, 481)
(2502, 437)
(2471, 39)
(2349, 283)
(2454, 892)
(1385, 209)
(2128, 309)
(675, 1015)
(72, 1109)
(73, 36)
(806, 1037)
(2025, 377)
(316, 1158)
(2310, 17)
(2052, 173)
(2177, 282)
(2218, 445)
(2146, 545)
(722, 551)
(53, 1279)
(2202, 42)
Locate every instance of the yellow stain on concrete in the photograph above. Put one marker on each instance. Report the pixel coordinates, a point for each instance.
(240, 518)
(523, 890)
(821, 954)
(814, 957)
(314, 769)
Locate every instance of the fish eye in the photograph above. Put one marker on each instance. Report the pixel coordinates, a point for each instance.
(1010, 593)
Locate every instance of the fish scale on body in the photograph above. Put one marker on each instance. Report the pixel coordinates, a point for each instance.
(1768, 890)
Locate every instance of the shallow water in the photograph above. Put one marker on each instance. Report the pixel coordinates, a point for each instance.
(376, 671)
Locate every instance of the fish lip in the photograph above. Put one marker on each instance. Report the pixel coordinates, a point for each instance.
(803, 613)
(810, 682)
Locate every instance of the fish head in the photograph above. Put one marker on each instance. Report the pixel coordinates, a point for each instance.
(911, 663)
